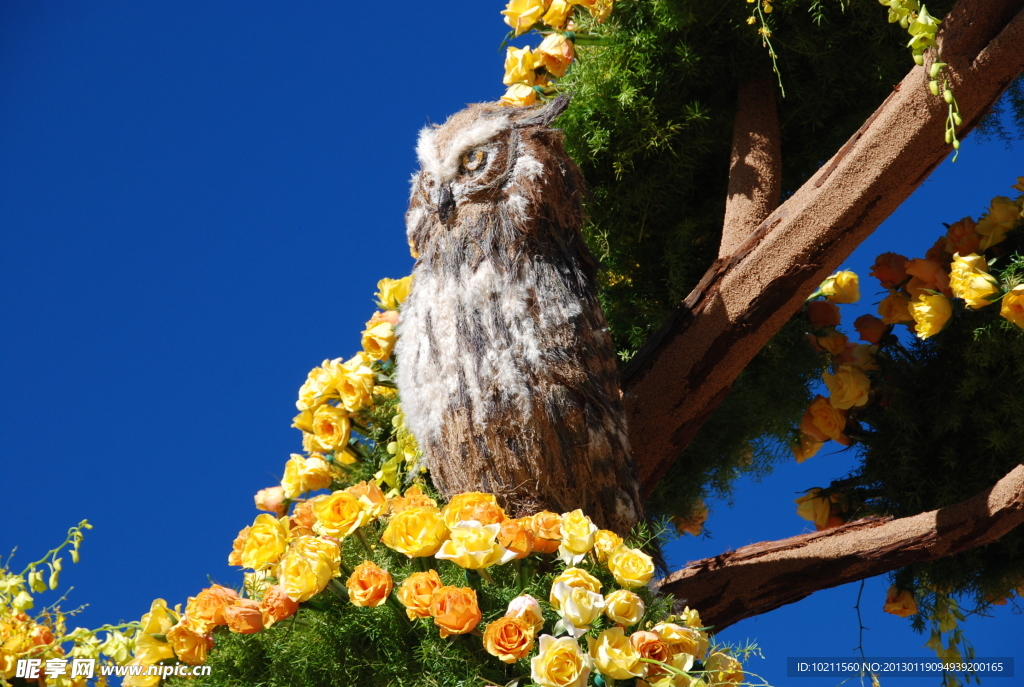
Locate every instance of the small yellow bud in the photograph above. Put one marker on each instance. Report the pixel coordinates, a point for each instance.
(947, 95)
(751, 20)
(933, 86)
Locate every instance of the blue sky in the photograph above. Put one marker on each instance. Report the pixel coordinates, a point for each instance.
(197, 200)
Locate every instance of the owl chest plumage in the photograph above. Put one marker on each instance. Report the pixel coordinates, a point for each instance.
(506, 369)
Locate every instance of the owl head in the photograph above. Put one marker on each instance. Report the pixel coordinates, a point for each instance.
(491, 176)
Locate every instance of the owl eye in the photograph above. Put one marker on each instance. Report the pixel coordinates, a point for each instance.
(474, 160)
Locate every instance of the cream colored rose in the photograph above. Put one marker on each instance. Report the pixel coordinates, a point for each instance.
(578, 607)
(474, 546)
(615, 656)
(560, 663)
(624, 607)
(528, 608)
(574, 577)
(969, 279)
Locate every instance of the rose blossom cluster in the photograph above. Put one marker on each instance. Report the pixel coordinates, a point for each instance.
(528, 71)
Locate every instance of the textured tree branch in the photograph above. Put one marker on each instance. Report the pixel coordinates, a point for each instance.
(684, 371)
(762, 577)
(755, 167)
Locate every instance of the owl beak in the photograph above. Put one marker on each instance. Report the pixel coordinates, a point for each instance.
(445, 204)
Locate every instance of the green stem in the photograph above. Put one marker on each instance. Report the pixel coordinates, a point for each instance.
(399, 610)
(362, 540)
(486, 575)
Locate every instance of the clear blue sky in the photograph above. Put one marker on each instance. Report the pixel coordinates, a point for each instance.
(196, 202)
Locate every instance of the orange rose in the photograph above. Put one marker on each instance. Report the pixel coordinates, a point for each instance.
(890, 269)
(823, 313)
(369, 585)
(931, 273)
(509, 639)
(189, 646)
(651, 646)
(515, 535)
(271, 499)
(244, 616)
(455, 610)
(547, 531)
(303, 515)
(413, 497)
(235, 557)
(473, 505)
(937, 252)
(870, 328)
(276, 605)
(206, 610)
(417, 591)
(962, 238)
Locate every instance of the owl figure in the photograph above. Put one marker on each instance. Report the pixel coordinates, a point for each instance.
(507, 372)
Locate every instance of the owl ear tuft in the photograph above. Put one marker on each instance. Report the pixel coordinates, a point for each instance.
(544, 115)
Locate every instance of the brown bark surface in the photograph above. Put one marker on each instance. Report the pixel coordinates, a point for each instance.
(762, 577)
(688, 366)
(755, 167)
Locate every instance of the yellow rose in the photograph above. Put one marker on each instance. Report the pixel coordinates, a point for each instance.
(317, 389)
(560, 663)
(455, 610)
(834, 342)
(574, 577)
(391, 293)
(369, 585)
(159, 620)
(930, 313)
(823, 417)
(624, 607)
(606, 541)
(338, 514)
(355, 382)
(578, 533)
(842, 287)
(900, 602)
(521, 15)
(1001, 217)
(519, 95)
(895, 308)
(683, 639)
(615, 656)
(848, 387)
(962, 238)
(473, 505)
(547, 531)
(474, 546)
(631, 567)
(303, 474)
(557, 14)
(331, 429)
(555, 52)
(806, 447)
(814, 506)
(509, 639)
(416, 532)
(1013, 306)
(372, 500)
(601, 9)
(307, 566)
(969, 279)
(265, 542)
(723, 669)
(519, 66)
(528, 608)
(417, 592)
(577, 606)
(379, 340)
